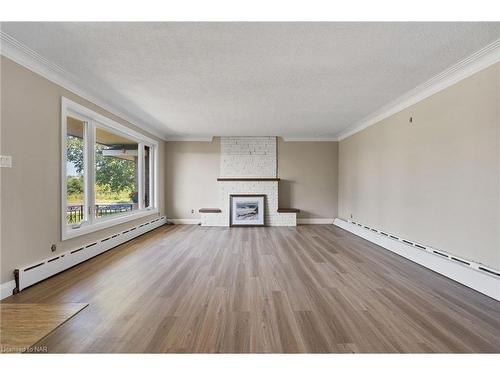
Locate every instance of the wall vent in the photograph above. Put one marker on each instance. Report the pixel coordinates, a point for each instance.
(35, 273)
(439, 253)
(460, 260)
(489, 271)
(35, 266)
(77, 250)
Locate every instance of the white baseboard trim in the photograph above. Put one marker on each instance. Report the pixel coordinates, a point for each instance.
(31, 274)
(314, 221)
(7, 288)
(299, 221)
(462, 271)
(185, 221)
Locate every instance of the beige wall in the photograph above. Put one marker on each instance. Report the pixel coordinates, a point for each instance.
(308, 172)
(192, 169)
(437, 180)
(30, 191)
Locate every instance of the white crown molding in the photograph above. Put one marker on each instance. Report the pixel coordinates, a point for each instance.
(305, 139)
(188, 138)
(32, 60)
(476, 62)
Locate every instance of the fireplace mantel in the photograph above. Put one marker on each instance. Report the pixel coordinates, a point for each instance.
(247, 179)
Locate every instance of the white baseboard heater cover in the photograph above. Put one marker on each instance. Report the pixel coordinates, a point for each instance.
(39, 271)
(472, 274)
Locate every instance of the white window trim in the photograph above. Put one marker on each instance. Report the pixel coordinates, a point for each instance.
(95, 119)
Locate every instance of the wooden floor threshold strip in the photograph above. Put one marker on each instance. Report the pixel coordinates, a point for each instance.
(22, 325)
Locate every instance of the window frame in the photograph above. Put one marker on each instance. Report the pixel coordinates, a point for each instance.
(92, 120)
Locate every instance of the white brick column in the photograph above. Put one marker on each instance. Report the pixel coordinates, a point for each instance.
(249, 157)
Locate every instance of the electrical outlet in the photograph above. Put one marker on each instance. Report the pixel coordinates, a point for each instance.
(192, 211)
(5, 161)
(53, 247)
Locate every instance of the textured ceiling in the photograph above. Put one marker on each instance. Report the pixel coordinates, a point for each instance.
(287, 79)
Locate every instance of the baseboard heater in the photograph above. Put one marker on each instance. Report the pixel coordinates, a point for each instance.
(472, 274)
(39, 271)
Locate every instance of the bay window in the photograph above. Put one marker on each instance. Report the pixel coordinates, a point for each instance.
(108, 170)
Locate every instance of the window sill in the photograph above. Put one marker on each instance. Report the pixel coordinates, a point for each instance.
(68, 232)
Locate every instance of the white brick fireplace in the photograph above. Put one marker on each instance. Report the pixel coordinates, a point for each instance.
(248, 157)
(248, 165)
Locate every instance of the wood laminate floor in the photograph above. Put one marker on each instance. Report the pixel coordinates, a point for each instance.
(313, 289)
(22, 325)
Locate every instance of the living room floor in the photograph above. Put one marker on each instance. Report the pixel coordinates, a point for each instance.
(309, 289)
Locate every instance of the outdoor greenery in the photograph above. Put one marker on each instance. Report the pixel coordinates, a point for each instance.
(74, 185)
(115, 177)
(101, 196)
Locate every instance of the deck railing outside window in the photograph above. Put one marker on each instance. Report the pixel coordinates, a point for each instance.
(74, 213)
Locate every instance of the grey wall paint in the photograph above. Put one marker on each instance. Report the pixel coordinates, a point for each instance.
(309, 178)
(308, 171)
(192, 169)
(436, 180)
(30, 190)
